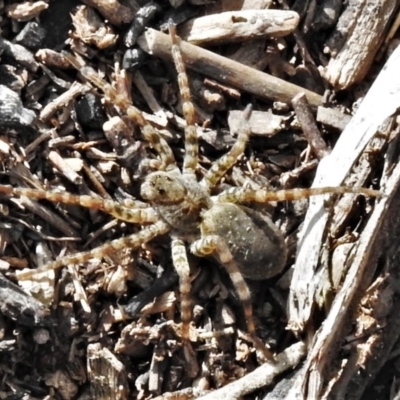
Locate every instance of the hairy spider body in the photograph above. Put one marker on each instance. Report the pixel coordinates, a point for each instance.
(255, 242)
(177, 198)
(245, 243)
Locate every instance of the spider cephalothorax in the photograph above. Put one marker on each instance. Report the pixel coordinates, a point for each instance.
(178, 199)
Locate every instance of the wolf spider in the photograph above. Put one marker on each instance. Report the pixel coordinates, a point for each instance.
(246, 243)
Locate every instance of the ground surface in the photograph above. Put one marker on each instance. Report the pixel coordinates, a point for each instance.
(70, 332)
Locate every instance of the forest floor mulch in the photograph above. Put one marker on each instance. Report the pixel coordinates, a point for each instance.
(323, 83)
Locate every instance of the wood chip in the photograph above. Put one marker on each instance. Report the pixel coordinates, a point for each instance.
(238, 26)
(225, 70)
(361, 29)
(106, 374)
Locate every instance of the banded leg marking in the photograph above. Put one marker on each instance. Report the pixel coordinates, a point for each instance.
(213, 243)
(191, 140)
(133, 113)
(181, 264)
(114, 208)
(179, 258)
(223, 164)
(132, 241)
(242, 195)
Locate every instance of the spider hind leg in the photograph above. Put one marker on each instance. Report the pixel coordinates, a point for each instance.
(214, 244)
(181, 265)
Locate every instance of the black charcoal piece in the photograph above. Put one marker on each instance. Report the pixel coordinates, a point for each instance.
(177, 16)
(133, 59)
(309, 78)
(327, 14)
(12, 113)
(159, 286)
(19, 54)
(176, 3)
(89, 112)
(11, 233)
(200, 2)
(19, 306)
(301, 7)
(2, 46)
(57, 21)
(32, 36)
(141, 21)
(10, 78)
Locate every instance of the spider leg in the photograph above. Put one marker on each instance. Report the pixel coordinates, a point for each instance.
(215, 244)
(160, 146)
(245, 195)
(132, 241)
(112, 96)
(191, 142)
(114, 208)
(181, 265)
(223, 164)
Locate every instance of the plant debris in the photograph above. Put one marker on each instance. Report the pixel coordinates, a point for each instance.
(325, 115)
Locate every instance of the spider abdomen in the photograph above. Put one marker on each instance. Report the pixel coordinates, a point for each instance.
(255, 242)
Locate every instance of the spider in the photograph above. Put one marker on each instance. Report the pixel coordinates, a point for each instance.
(246, 243)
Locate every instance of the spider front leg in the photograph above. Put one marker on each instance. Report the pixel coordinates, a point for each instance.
(245, 195)
(215, 244)
(219, 169)
(191, 140)
(132, 242)
(226, 162)
(124, 212)
(133, 113)
(181, 264)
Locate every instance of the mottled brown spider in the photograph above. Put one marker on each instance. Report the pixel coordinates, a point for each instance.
(246, 243)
